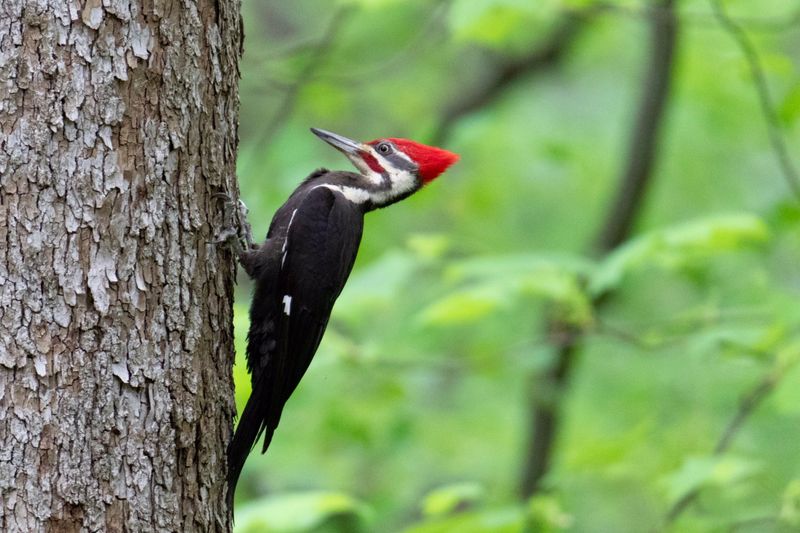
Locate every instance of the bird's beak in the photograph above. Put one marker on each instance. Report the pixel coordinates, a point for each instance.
(347, 146)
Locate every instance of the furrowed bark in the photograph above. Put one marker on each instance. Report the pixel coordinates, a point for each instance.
(118, 121)
(619, 221)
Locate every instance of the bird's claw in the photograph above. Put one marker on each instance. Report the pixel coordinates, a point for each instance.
(236, 231)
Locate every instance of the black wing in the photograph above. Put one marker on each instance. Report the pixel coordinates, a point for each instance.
(291, 310)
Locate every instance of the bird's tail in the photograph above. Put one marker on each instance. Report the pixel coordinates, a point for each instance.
(252, 422)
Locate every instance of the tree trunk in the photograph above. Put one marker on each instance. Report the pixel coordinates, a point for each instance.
(117, 123)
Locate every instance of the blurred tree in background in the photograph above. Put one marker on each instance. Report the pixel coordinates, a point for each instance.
(591, 322)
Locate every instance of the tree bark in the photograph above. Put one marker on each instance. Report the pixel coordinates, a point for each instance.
(118, 122)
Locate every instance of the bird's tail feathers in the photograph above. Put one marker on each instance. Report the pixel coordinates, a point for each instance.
(252, 422)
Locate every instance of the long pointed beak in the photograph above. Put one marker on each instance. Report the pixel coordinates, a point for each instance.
(343, 144)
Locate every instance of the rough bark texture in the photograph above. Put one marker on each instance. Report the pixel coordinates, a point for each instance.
(117, 123)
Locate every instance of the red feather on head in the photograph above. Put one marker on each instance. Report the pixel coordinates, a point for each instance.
(432, 161)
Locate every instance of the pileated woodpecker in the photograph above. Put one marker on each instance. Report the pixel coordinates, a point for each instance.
(303, 265)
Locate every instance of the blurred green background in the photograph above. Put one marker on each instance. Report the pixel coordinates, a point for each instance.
(680, 410)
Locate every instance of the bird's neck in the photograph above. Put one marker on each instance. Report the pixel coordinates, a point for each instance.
(374, 190)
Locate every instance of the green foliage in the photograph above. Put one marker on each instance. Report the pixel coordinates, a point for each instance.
(546, 515)
(700, 472)
(790, 509)
(509, 520)
(496, 22)
(446, 500)
(304, 512)
(490, 285)
(679, 248)
(543, 514)
(240, 376)
(414, 413)
(789, 110)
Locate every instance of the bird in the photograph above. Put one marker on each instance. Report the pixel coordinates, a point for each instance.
(303, 265)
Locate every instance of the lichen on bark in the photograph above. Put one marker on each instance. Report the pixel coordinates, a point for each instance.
(118, 123)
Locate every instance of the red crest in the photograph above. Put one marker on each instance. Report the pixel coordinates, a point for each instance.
(432, 161)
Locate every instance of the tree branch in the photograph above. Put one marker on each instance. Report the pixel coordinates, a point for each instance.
(790, 173)
(552, 50)
(645, 135)
(547, 55)
(620, 217)
(429, 34)
(772, 24)
(747, 406)
(321, 52)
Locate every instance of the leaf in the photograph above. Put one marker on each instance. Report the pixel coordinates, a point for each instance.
(789, 109)
(287, 513)
(451, 498)
(495, 266)
(560, 288)
(465, 306)
(492, 284)
(785, 216)
(376, 286)
(370, 4)
(700, 472)
(510, 520)
(755, 341)
(323, 99)
(675, 247)
(777, 64)
(545, 515)
(790, 507)
(429, 245)
(787, 397)
(494, 22)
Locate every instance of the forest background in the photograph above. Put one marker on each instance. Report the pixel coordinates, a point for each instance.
(590, 323)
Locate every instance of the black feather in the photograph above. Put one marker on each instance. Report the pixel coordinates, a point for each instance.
(309, 253)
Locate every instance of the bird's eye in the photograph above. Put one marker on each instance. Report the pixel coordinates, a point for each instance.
(384, 148)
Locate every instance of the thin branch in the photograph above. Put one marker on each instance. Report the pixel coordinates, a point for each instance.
(748, 404)
(619, 222)
(292, 50)
(637, 341)
(547, 55)
(790, 173)
(752, 522)
(703, 317)
(701, 18)
(556, 44)
(321, 52)
(624, 335)
(751, 400)
(355, 355)
(422, 40)
(644, 139)
(415, 46)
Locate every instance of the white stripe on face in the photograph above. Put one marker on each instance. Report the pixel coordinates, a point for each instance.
(363, 168)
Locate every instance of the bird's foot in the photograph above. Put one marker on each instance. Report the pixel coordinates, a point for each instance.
(236, 231)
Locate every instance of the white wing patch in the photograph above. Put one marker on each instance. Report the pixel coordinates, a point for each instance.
(286, 240)
(287, 305)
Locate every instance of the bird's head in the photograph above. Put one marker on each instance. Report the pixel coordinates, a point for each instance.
(392, 168)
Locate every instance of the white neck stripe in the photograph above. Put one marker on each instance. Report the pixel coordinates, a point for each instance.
(353, 194)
